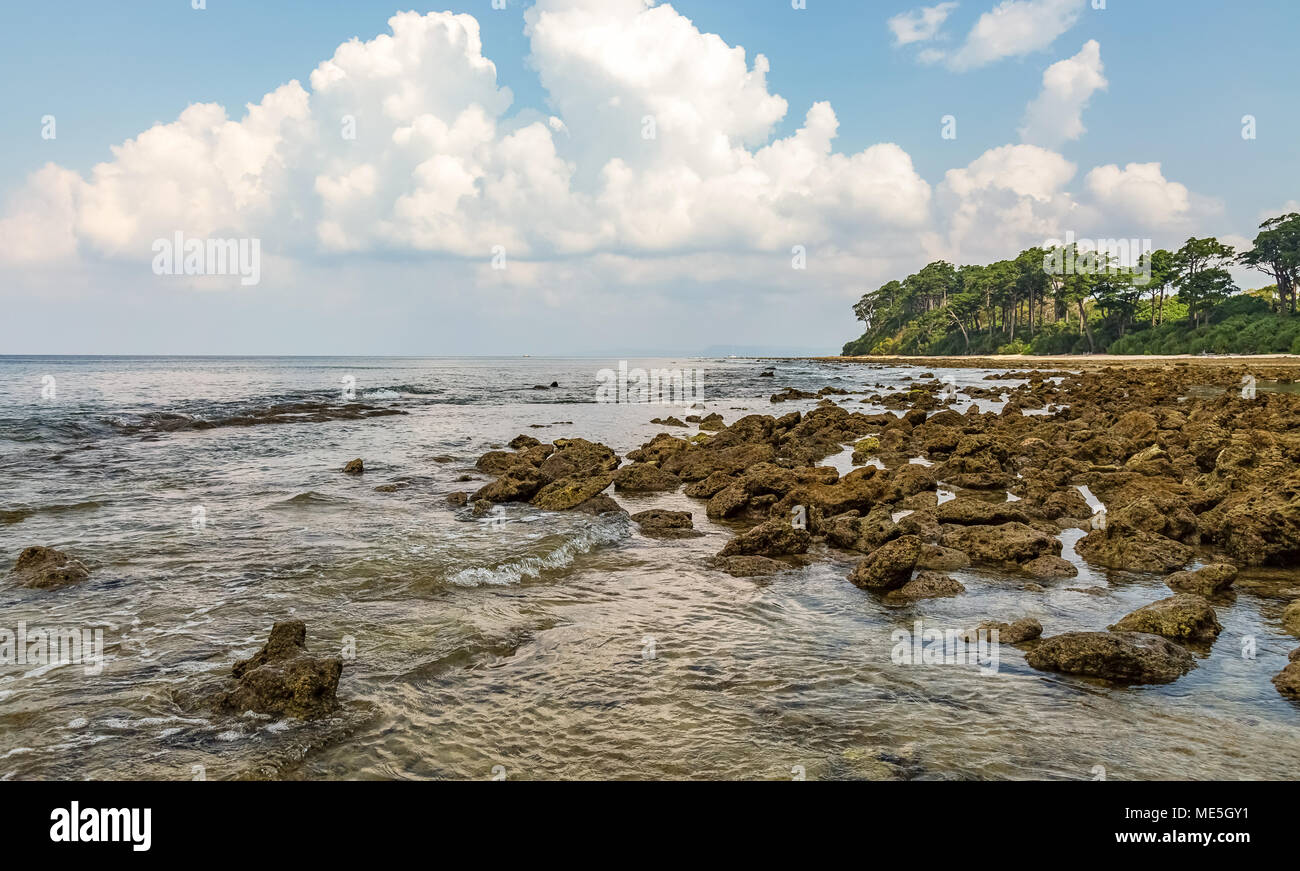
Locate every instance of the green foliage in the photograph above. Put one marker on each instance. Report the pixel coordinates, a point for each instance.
(1069, 300)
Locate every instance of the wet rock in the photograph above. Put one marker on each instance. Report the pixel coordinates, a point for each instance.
(1066, 503)
(659, 523)
(1184, 617)
(42, 568)
(458, 498)
(773, 538)
(481, 508)
(863, 534)
(1018, 632)
(659, 449)
(1049, 566)
(1287, 680)
(578, 458)
(943, 559)
(1206, 581)
(568, 493)
(601, 504)
(1119, 657)
(517, 485)
(354, 467)
(283, 679)
(1136, 551)
(1291, 618)
(889, 566)
(644, 478)
(970, 511)
(926, 585)
(1005, 543)
(668, 421)
(748, 566)
(712, 422)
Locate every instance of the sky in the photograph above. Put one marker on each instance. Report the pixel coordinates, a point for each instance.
(573, 177)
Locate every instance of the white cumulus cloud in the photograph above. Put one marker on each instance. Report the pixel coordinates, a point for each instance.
(1056, 114)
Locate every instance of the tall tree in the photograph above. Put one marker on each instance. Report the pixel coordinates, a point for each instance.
(1276, 253)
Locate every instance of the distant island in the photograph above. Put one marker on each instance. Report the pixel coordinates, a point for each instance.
(1102, 296)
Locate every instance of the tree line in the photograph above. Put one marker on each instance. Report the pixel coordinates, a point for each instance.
(1082, 297)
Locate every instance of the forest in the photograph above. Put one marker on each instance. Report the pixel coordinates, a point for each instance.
(1085, 297)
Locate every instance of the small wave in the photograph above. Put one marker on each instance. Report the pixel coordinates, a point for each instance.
(18, 515)
(560, 557)
(309, 498)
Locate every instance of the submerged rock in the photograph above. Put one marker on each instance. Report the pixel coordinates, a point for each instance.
(43, 568)
(354, 467)
(1018, 632)
(1120, 657)
(750, 566)
(283, 679)
(1184, 617)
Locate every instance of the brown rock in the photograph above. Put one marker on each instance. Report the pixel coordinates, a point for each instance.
(889, 566)
(1184, 617)
(43, 568)
(283, 679)
(1120, 657)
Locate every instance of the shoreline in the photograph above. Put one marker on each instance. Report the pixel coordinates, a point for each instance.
(1274, 362)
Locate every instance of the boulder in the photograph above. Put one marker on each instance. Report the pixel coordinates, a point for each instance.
(889, 566)
(659, 523)
(571, 492)
(971, 511)
(1050, 566)
(926, 585)
(773, 538)
(1287, 680)
(1206, 581)
(644, 478)
(1012, 542)
(1291, 618)
(517, 485)
(42, 568)
(523, 441)
(354, 467)
(943, 559)
(1184, 617)
(1119, 657)
(1139, 551)
(283, 679)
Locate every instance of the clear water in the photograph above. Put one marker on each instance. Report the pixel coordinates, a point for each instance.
(550, 645)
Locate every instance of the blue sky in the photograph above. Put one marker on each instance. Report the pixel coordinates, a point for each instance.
(1180, 76)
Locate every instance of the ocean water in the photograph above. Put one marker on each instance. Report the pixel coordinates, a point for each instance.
(206, 496)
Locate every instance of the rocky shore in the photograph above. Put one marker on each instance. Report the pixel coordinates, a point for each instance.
(1190, 476)
(1169, 468)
